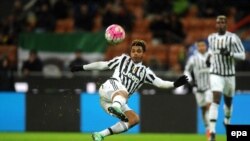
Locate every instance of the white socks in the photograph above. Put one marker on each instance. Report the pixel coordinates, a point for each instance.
(105, 132)
(118, 101)
(213, 115)
(119, 127)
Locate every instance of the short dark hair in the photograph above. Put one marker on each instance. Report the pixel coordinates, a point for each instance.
(200, 40)
(138, 42)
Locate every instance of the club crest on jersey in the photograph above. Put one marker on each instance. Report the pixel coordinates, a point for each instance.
(134, 69)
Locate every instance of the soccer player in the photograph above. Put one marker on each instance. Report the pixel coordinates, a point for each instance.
(196, 64)
(224, 48)
(129, 75)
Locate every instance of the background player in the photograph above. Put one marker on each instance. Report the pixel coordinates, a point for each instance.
(224, 48)
(196, 64)
(129, 75)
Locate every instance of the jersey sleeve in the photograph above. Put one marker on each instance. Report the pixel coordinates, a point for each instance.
(152, 79)
(238, 50)
(209, 39)
(113, 63)
(101, 65)
(189, 67)
(150, 76)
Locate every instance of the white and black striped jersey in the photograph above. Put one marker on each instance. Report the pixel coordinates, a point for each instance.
(197, 64)
(220, 64)
(130, 74)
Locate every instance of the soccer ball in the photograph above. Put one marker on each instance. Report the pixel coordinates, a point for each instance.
(114, 34)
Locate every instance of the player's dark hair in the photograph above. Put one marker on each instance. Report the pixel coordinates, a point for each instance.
(139, 43)
(200, 40)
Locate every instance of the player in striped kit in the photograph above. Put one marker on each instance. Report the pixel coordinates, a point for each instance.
(196, 64)
(129, 75)
(224, 48)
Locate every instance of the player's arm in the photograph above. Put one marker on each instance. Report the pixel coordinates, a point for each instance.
(102, 65)
(188, 68)
(151, 78)
(239, 55)
(239, 51)
(158, 82)
(205, 70)
(209, 52)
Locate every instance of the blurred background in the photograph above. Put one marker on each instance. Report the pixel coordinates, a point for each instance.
(41, 39)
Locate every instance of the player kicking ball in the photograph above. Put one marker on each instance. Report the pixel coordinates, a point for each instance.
(129, 75)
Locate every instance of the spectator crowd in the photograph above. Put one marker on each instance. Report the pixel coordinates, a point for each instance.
(164, 18)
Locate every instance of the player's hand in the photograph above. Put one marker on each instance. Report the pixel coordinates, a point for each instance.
(225, 52)
(181, 81)
(76, 68)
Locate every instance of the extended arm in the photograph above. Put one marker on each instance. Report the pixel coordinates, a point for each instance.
(102, 65)
(158, 82)
(168, 84)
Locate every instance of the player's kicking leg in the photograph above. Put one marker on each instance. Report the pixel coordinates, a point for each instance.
(113, 101)
(119, 127)
(97, 136)
(118, 113)
(119, 99)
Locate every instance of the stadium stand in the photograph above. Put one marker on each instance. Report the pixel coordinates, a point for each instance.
(196, 23)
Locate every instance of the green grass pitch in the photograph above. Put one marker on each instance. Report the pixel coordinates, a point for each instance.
(37, 136)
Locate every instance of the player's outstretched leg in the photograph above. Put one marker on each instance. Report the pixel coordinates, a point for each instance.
(97, 137)
(118, 113)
